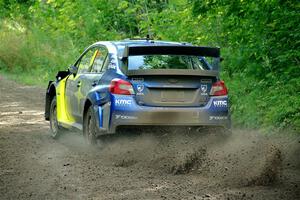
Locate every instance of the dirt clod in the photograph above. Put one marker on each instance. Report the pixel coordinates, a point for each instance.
(271, 170)
(190, 162)
(207, 195)
(125, 163)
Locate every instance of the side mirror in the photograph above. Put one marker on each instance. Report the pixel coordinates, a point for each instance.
(73, 69)
(123, 59)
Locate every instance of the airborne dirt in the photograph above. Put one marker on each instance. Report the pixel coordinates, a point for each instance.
(169, 165)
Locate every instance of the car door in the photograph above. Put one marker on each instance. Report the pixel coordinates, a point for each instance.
(91, 79)
(87, 77)
(74, 83)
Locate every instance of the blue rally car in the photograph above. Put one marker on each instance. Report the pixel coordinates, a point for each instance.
(134, 83)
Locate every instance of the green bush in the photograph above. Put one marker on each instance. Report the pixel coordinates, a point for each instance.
(32, 53)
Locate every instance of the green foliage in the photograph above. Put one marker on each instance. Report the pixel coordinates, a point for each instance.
(31, 52)
(259, 40)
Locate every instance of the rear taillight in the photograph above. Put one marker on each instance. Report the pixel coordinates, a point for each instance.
(218, 89)
(119, 86)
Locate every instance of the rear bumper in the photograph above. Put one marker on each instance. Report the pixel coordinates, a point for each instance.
(123, 110)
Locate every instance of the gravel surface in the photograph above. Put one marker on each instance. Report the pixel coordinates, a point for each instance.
(168, 165)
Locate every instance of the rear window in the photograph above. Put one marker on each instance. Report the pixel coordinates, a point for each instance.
(168, 62)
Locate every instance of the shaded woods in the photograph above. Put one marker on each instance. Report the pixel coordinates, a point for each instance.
(259, 41)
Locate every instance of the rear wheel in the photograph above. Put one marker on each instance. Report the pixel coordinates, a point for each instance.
(89, 127)
(55, 128)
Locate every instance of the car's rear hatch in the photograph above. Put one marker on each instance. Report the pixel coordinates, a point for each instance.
(172, 87)
(166, 75)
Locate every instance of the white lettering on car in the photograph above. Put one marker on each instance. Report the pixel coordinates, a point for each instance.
(137, 80)
(125, 117)
(122, 102)
(220, 103)
(217, 117)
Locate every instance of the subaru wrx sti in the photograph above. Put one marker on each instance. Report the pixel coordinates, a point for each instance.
(133, 83)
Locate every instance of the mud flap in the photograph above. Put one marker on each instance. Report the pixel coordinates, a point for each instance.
(48, 102)
(103, 118)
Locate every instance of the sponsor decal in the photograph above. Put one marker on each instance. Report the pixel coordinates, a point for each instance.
(123, 102)
(140, 89)
(220, 103)
(137, 80)
(112, 64)
(203, 89)
(206, 81)
(125, 117)
(217, 117)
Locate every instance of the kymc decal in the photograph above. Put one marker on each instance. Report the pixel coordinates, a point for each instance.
(123, 102)
(220, 103)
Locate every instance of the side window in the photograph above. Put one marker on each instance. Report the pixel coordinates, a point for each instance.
(100, 56)
(86, 62)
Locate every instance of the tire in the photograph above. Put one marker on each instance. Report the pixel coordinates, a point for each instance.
(56, 130)
(89, 127)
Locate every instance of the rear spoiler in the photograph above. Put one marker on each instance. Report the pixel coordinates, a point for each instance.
(171, 49)
(184, 72)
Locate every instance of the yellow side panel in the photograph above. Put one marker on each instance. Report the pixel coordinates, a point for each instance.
(62, 112)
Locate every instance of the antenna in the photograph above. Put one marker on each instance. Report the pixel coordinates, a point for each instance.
(148, 22)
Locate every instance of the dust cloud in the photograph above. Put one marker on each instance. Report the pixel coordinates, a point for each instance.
(243, 158)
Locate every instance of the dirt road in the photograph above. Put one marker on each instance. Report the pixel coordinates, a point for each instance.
(173, 165)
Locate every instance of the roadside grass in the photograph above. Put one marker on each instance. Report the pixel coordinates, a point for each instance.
(269, 108)
(27, 78)
(33, 57)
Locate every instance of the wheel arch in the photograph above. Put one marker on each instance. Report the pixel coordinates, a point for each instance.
(98, 98)
(87, 104)
(50, 94)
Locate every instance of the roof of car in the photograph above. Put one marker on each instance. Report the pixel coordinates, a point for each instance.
(129, 42)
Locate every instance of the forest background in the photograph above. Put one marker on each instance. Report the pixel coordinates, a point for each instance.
(259, 42)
